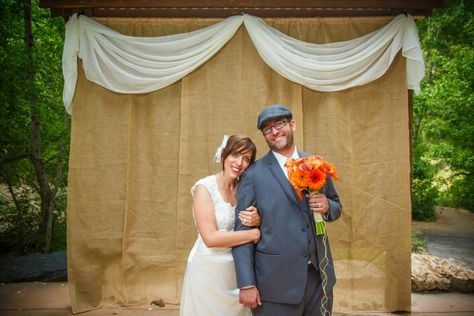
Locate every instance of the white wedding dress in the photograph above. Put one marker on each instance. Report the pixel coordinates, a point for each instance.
(209, 286)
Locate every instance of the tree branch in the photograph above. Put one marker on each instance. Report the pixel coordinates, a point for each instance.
(15, 158)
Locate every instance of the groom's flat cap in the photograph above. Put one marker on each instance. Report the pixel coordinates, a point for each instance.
(272, 112)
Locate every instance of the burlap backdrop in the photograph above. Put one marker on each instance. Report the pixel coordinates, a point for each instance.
(134, 158)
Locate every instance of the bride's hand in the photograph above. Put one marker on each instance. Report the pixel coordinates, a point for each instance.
(257, 235)
(250, 217)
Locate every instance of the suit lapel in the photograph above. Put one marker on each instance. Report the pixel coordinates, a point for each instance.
(276, 171)
(303, 154)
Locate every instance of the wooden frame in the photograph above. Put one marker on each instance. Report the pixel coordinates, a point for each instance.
(226, 8)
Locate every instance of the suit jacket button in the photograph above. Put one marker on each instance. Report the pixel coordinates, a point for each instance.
(303, 229)
(305, 254)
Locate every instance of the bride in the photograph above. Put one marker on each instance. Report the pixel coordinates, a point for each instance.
(209, 286)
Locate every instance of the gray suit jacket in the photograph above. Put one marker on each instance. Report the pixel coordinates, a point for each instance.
(277, 264)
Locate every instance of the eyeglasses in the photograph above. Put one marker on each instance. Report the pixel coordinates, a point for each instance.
(278, 126)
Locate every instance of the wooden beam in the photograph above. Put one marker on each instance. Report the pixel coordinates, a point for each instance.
(215, 13)
(414, 4)
(225, 8)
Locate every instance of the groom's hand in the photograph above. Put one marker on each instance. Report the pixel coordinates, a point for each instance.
(250, 297)
(318, 203)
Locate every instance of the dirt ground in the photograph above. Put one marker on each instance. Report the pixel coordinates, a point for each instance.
(451, 235)
(52, 299)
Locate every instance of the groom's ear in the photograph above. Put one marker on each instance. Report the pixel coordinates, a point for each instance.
(292, 124)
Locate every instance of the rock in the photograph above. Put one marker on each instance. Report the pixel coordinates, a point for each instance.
(462, 278)
(430, 273)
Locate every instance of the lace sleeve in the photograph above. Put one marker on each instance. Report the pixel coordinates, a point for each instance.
(206, 182)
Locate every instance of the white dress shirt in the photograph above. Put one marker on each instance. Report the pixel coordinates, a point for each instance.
(282, 160)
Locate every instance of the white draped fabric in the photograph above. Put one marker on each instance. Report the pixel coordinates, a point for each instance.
(128, 64)
(341, 65)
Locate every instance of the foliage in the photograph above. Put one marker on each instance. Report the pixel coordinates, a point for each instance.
(59, 241)
(16, 93)
(418, 241)
(19, 233)
(19, 224)
(424, 192)
(460, 194)
(443, 132)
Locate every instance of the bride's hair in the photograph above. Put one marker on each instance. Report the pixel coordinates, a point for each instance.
(239, 144)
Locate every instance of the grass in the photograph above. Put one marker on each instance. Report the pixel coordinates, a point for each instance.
(418, 241)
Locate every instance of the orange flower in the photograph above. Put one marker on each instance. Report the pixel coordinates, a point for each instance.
(329, 169)
(299, 179)
(305, 165)
(309, 173)
(316, 180)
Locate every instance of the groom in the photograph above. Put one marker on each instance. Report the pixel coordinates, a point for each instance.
(281, 274)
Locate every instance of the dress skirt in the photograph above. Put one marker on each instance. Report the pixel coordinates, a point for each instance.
(210, 286)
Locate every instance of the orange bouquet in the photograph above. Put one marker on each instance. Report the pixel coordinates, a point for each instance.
(309, 174)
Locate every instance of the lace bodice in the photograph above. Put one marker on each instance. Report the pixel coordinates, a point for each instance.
(225, 212)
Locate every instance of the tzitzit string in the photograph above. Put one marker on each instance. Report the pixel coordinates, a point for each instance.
(323, 263)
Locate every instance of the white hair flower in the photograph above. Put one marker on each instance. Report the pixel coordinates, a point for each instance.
(218, 155)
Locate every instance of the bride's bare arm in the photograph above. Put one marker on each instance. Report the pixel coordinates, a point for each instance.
(204, 215)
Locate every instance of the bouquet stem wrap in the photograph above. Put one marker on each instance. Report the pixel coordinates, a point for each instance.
(319, 225)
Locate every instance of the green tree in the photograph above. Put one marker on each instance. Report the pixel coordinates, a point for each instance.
(443, 129)
(34, 127)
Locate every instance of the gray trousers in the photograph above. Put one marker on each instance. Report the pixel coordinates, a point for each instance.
(309, 306)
